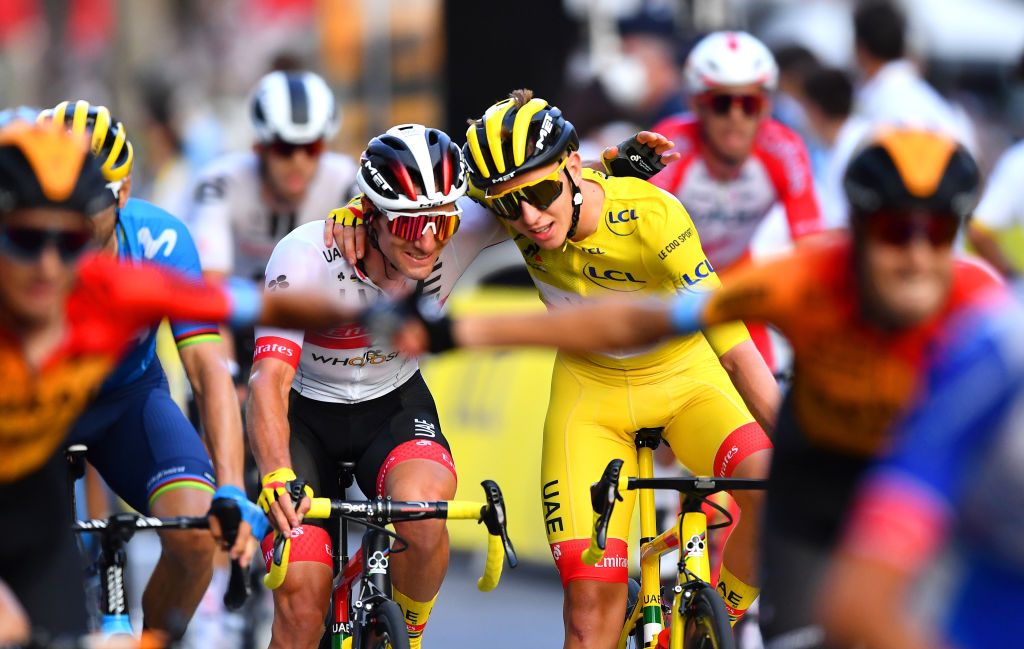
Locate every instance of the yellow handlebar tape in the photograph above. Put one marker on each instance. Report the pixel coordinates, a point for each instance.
(319, 508)
(492, 566)
(465, 510)
(275, 577)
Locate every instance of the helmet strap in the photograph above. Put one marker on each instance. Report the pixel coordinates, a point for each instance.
(577, 203)
(374, 241)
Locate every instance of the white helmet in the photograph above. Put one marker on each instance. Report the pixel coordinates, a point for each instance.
(729, 59)
(296, 107)
(412, 167)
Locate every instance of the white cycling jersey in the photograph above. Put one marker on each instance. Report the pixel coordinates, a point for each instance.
(235, 227)
(343, 364)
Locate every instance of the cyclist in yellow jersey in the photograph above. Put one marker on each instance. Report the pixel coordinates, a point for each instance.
(584, 234)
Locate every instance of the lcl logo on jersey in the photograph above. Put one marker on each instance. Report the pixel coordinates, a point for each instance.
(621, 223)
(703, 270)
(613, 280)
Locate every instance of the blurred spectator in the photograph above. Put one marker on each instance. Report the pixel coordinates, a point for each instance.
(1001, 208)
(639, 85)
(953, 481)
(827, 96)
(892, 90)
(1002, 205)
(167, 170)
(795, 63)
(644, 81)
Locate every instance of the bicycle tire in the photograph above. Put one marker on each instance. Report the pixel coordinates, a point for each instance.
(706, 622)
(386, 629)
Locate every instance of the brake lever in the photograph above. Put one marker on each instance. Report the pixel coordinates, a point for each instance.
(496, 520)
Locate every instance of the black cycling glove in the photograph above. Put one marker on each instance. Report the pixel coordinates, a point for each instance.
(385, 318)
(634, 160)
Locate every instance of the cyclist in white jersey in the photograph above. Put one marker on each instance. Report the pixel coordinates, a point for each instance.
(319, 397)
(243, 203)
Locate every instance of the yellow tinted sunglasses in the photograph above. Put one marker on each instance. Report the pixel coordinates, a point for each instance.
(540, 193)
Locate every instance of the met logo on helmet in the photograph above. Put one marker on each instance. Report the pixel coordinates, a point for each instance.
(545, 130)
(378, 179)
(622, 223)
(613, 280)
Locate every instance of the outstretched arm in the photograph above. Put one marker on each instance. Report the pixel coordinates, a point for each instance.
(636, 322)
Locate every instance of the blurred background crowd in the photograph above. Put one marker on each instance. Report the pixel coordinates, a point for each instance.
(179, 72)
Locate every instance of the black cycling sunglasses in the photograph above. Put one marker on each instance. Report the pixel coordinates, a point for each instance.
(901, 228)
(721, 103)
(283, 149)
(27, 244)
(540, 193)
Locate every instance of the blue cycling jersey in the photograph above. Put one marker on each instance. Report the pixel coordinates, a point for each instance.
(146, 233)
(964, 445)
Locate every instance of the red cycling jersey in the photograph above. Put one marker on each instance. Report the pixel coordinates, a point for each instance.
(727, 212)
(109, 304)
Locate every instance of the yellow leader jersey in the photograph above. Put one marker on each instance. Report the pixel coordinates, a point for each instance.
(646, 243)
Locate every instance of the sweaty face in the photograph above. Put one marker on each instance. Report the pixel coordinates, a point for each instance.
(548, 227)
(32, 291)
(414, 259)
(730, 127)
(903, 285)
(290, 170)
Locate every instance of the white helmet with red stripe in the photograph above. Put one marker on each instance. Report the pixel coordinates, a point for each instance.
(729, 59)
(412, 167)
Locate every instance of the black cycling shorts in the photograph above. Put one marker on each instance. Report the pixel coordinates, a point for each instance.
(325, 433)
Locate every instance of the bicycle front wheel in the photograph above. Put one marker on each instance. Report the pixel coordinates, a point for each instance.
(386, 629)
(706, 622)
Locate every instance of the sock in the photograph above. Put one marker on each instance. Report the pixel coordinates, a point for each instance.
(416, 614)
(738, 596)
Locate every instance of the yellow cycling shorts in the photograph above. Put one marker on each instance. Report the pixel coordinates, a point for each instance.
(592, 417)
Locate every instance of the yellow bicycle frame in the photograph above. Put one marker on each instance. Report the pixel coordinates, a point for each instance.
(693, 527)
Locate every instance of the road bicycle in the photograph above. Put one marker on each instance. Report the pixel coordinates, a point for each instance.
(118, 529)
(366, 617)
(697, 613)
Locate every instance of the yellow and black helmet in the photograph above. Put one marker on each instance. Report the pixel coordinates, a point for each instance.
(515, 135)
(42, 165)
(109, 138)
(912, 169)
